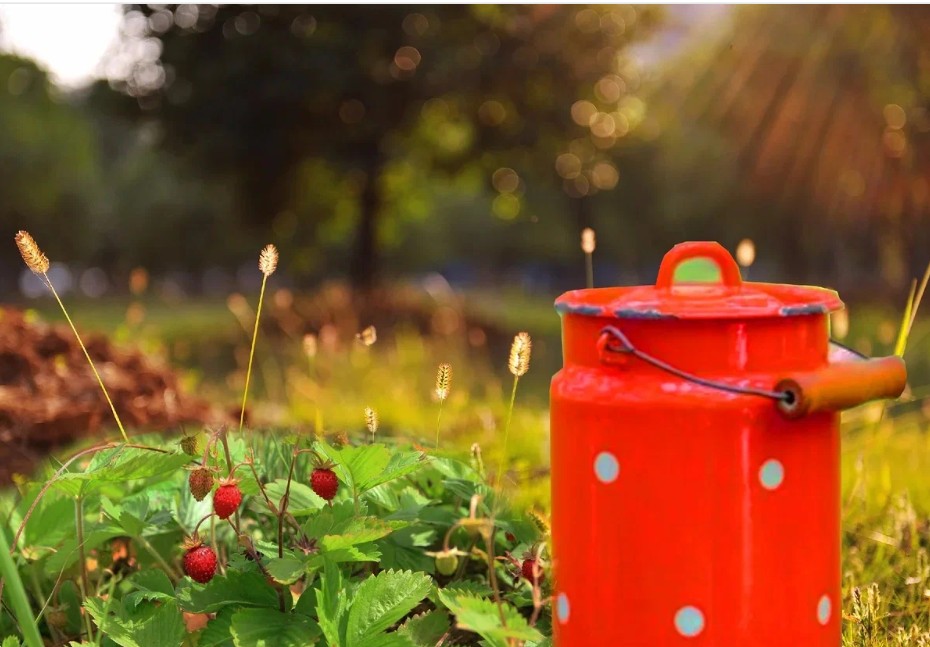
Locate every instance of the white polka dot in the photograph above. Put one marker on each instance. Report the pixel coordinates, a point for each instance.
(562, 609)
(824, 609)
(606, 467)
(771, 474)
(689, 621)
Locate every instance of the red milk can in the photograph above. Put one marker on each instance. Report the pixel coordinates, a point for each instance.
(696, 462)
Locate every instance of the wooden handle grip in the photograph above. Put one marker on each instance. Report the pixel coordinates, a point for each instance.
(842, 385)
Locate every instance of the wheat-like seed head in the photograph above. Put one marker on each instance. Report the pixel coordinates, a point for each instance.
(268, 260)
(587, 240)
(520, 351)
(368, 336)
(33, 257)
(310, 345)
(371, 420)
(443, 381)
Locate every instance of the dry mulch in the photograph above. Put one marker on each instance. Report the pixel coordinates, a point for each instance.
(49, 396)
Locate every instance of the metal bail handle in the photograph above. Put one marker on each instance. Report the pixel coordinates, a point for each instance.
(837, 386)
(729, 270)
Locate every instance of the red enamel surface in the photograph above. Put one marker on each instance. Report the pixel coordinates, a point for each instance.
(688, 522)
(729, 299)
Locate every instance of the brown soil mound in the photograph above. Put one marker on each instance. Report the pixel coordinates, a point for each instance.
(50, 397)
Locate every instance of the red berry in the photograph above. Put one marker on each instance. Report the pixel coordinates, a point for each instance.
(528, 570)
(324, 482)
(200, 563)
(226, 499)
(511, 537)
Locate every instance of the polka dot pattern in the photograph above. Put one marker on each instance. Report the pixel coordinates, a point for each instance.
(771, 474)
(824, 610)
(606, 467)
(689, 621)
(562, 608)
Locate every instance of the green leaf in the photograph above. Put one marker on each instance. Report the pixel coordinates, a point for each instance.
(404, 550)
(119, 465)
(303, 501)
(286, 570)
(331, 604)
(426, 629)
(217, 633)
(271, 628)
(153, 626)
(482, 617)
(367, 466)
(236, 587)
(380, 602)
(152, 584)
(10, 641)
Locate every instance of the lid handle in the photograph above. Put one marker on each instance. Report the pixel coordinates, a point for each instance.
(729, 270)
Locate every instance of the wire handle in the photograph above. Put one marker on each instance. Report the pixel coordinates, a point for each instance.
(612, 340)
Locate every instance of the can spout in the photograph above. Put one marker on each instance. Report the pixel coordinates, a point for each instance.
(842, 385)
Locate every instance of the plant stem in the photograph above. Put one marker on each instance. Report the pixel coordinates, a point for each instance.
(79, 528)
(500, 463)
(438, 420)
(158, 558)
(229, 466)
(492, 575)
(248, 373)
(283, 505)
(106, 394)
(589, 269)
(17, 597)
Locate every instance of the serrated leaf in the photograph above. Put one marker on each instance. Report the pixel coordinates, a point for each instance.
(331, 604)
(286, 570)
(303, 500)
(482, 616)
(381, 601)
(271, 628)
(152, 584)
(217, 631)
(464, 587)
(426, 629)
(153, 626)
(236, 587)
(10, 641)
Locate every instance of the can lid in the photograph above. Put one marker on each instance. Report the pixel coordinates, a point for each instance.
(731, 298)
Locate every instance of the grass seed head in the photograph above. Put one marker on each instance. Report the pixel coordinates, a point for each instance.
(587, 240)
(443, 381)
(33, 257)
(368, 336)
(520, 351)
(371, 420)
(310, 345)
(268, 260)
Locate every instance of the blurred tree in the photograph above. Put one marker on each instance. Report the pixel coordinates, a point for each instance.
(48, 160)
(375, 103)
(808, 129)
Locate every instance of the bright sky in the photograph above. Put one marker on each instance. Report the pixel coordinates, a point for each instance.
(69, 40)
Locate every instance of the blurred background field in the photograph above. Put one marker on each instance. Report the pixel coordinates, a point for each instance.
(428, 170)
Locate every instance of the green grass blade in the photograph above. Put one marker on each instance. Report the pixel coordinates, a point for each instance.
(901, 344)
(16, 595)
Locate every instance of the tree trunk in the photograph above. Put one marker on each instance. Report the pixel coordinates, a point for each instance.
(365, 257)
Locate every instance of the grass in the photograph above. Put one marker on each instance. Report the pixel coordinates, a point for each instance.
(885, 458)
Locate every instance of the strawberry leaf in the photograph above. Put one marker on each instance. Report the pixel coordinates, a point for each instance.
(271, 628)
(380, 602)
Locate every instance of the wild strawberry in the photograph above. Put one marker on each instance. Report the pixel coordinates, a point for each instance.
(200, 482)
(190, 445)
(199, 561)
(531, 570)
(447, 563)
(324, 482)
(226, 499)
(510, 537)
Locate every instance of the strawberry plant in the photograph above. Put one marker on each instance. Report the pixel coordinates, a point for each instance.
(235, 538)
